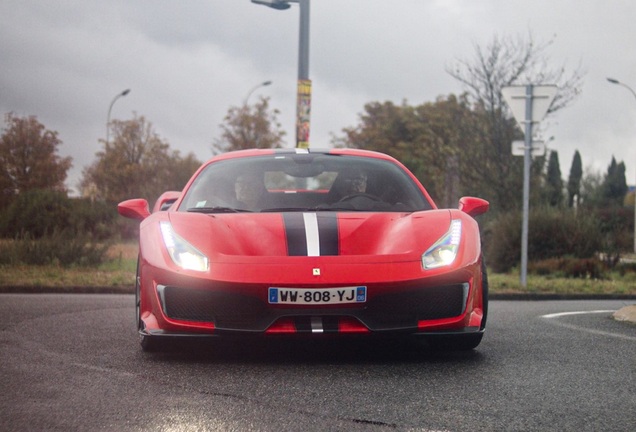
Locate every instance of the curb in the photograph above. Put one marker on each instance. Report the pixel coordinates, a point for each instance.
(543, 297)
(66, 290)
(627, 314)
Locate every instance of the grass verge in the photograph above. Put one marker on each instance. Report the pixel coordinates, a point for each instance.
(614, 285)
(117, 271)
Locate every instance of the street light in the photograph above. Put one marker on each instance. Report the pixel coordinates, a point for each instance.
(303, 101)
(615, 81)
(124, 93)
(263, 84)
(274, 4)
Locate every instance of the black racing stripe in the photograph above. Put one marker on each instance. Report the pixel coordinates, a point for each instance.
(328, 233)
(303, 324)
(295, 233)
(330, 324)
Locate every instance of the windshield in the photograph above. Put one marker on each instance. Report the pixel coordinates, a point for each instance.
(303, 182)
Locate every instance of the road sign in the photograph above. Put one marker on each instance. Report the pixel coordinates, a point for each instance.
(528, 104)
(519, 148)
(542, 96)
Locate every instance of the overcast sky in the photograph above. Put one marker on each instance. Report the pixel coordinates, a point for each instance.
(187, 62)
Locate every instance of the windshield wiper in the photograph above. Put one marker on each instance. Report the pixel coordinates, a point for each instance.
(287, 209)
(314, 209)
(215, 210)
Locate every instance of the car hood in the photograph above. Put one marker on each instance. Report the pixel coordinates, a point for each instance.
(221, 236)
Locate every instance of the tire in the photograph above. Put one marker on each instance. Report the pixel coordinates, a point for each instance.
(462, 342)
(466, 342)
(138, 322)
(484, 293)
(148, 343)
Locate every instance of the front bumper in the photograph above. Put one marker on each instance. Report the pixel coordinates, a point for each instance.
(392, 309)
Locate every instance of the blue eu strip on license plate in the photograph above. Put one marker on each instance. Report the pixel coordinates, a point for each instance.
(315, 296)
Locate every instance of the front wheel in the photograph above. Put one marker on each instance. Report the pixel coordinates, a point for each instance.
(484, 293)
(148, 343)
(461, 342)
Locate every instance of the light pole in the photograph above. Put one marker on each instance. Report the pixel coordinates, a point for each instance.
(263, 84)
(615, 81)
(303, 101)
(124, 93)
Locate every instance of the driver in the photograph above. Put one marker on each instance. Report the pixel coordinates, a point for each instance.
(354, 182)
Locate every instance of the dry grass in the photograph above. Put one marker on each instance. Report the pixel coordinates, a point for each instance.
(119, 271)
(123, 251)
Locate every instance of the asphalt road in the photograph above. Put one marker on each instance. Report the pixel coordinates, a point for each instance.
(72, 363)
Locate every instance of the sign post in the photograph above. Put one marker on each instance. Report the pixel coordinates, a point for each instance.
(529, 104)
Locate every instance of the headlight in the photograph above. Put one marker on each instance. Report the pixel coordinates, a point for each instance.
(183, 253)
(444, 251)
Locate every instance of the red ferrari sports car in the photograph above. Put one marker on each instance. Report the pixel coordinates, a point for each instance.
(314, 242)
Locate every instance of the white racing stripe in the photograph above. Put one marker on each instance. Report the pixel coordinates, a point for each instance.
(316, 325)
(311, 233)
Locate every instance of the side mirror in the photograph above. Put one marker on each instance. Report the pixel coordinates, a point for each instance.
(166, 200)
(134, 209)
(473, 206)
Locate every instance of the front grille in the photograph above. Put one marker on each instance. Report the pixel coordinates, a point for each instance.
(224, 309)
(405, 309)
(389, 311)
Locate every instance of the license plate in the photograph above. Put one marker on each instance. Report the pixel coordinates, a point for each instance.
(318, 296)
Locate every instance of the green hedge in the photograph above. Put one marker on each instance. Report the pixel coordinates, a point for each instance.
(552, 233)
(43, 227)
(39, 213)
(62, 248)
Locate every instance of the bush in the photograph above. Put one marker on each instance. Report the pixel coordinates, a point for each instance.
(502, 241)
(552, 233)
(99, 219)
(568, 267)
(617, 226)
(63, 248)
(39, 213)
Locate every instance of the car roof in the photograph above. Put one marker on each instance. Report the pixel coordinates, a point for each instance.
(332, 151)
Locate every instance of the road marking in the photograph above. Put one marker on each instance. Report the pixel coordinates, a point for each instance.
(560, 314)
(587, 330)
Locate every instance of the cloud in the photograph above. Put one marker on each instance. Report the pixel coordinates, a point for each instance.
(186, 63)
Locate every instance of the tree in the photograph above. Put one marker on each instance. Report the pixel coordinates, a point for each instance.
(507, 61)
(574, 180)
(426, 138)
(504, 62)
(614, 185)
(443, 144)
(554, 182)
(249, 127)
(29, 159)
(591, 188)
(136, 163)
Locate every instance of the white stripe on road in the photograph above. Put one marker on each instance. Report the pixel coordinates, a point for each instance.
(587, 330)
(560, 314)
